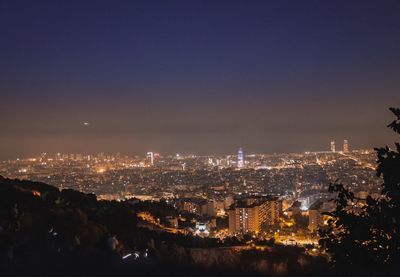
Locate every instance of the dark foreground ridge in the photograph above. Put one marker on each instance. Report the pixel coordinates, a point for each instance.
(44, 231)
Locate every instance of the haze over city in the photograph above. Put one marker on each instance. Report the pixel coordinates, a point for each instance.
(202, 77)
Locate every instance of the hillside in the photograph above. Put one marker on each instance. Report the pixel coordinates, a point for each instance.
(44, 230)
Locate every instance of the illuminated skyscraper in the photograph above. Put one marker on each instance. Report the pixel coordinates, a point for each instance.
(240, 161)
(333, 149)
(346, 146)
(150, 155)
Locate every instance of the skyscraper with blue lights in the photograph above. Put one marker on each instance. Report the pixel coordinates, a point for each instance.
(240, 161)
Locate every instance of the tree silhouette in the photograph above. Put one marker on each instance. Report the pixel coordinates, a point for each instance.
(367, 236)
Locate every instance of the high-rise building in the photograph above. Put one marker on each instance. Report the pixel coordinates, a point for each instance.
(58, 157)
(240, 160)
(150, 155)
(346, 148)
(244, 220)
(78, 157)
(333, 148)
(314, 216)
(253, 214)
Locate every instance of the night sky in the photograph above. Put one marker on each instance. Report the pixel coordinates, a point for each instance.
(202, 77)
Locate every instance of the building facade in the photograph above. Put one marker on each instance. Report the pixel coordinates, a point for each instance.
(240, 161)
(252, 215)
(346, 148)
(333, 147)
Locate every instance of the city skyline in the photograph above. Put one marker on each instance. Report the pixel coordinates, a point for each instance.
(151, 155)
(199, 138)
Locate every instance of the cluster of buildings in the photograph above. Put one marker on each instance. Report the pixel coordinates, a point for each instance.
(253, 193)
(346, 147)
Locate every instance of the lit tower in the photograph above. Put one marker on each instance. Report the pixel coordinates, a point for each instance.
(150, 155)
(346, 146)
(240, 161)
(333, 149)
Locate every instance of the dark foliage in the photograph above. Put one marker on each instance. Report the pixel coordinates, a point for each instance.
(366, 237)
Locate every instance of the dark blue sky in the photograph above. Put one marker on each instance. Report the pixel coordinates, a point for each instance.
(196, 76)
